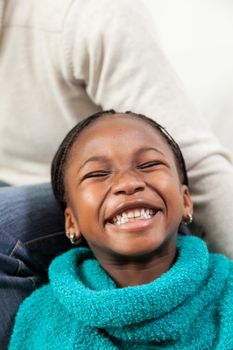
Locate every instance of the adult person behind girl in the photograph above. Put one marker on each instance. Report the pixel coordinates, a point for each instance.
(75, 57)
(75, 60)
(122, 183)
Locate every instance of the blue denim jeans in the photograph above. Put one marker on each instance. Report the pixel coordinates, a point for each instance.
(31, 235)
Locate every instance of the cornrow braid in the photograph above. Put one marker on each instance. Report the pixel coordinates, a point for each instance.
(62, 155)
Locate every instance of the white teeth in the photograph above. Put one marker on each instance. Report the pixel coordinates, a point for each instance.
(140, 214)
(130, 214)
(121, 220)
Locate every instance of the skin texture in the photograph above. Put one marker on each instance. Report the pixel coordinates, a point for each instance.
(119, 164)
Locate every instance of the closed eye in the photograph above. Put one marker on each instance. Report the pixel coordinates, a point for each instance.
(150, 164)
(96, 174)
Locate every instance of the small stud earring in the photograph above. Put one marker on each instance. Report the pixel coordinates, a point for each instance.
(188, 219)
(72, 238)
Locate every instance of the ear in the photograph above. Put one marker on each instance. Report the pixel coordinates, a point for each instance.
(187, 202)
(71, 224)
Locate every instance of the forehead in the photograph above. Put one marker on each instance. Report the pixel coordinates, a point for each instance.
(117, 133)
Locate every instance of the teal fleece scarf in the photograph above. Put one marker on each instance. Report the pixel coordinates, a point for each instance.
(188, 307)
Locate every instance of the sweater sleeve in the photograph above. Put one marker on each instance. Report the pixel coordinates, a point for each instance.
(113, 49)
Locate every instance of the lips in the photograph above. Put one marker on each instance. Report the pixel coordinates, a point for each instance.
(132, 212)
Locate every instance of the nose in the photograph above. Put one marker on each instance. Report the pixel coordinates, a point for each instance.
(127, 183)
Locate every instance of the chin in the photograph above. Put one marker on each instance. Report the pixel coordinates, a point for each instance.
(143, 252)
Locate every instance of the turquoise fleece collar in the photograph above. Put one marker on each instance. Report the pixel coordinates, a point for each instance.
(162, 311)
(190, 307)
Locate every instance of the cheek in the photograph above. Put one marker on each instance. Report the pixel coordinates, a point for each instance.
(87, 203)
(166, 184)
(90, 195)
(170, 190)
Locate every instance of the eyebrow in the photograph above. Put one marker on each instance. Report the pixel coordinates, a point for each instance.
(145, 149)
(94, 159)
(105, 159)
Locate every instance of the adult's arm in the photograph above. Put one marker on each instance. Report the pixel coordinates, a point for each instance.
(115, 51)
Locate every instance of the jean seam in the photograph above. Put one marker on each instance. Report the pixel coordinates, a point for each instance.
(30, 278)
(42, 238)
(15, 247)
(20, 264)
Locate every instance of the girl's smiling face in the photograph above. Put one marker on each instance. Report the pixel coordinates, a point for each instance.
(123, 189)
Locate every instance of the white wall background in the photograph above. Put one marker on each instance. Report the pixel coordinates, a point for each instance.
(197, 36)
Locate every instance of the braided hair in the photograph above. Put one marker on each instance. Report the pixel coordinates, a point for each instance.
(62, 155)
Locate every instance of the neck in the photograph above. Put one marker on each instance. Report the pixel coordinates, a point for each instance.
(135, 271)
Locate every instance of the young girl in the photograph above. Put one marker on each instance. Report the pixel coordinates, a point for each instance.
(122, 183)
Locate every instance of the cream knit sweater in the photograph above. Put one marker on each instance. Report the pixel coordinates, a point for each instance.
(61, 60)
